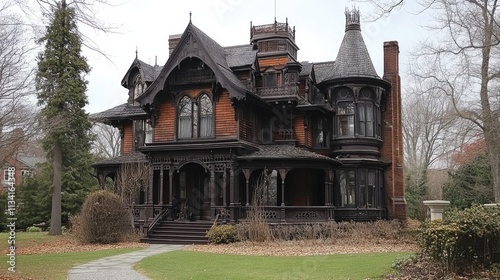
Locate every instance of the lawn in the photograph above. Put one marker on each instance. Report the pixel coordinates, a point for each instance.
(35, 257)
(199, 265)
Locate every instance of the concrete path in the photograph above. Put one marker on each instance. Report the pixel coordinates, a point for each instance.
(119, 266)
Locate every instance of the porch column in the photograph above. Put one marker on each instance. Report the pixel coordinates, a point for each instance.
(212, 185)
(247, 187)
(328, 187)
(283, 176)
(224, 194)
(160, 189)
(170, 183)
(150, 187)
(233, 195)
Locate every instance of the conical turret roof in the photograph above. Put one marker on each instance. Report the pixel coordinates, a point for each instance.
(353, 59)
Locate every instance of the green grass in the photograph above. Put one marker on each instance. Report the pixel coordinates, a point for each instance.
(28, 239)
(196, 265)
(54, 266)
(47, 266)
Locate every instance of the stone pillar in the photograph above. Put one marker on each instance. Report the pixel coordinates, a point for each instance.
(436, 208)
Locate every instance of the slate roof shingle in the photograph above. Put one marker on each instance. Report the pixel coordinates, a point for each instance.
(119, 112)
(285, 152)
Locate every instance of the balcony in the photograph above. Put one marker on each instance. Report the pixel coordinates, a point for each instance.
(285, 92)
(276, 28)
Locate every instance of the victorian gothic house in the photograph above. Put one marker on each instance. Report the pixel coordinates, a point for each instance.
(213, 119)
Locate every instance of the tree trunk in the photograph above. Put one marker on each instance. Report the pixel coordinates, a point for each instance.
(55, 217)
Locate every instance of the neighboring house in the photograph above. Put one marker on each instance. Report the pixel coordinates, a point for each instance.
(18, 167)
(213, 118)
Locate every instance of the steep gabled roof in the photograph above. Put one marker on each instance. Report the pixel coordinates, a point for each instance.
(122, 111)
(195, 43)
(148, 72)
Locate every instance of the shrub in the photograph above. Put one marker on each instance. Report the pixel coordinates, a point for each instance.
(222, 234)
(33, 229)
(104, 218)
(465, 239)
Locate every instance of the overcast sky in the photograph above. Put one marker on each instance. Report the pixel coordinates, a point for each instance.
(147, 24)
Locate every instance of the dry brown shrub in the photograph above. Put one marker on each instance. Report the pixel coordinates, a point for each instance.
(104, 219)
(255, 227)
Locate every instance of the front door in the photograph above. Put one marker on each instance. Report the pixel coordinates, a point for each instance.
(193, 190)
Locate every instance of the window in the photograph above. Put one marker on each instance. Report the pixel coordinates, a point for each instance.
(360, 117)
(320, 133)
(148, 132)
(185, 117)
(347, 188)
(9, 173)
(365, 116)
(345, 116)
(359, 187)
(25, 173)
(206, 116)
(138, 86)
(196, 118)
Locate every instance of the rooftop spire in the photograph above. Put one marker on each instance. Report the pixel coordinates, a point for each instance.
(352, 19)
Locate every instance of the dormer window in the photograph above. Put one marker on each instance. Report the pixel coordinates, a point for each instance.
(138, 86)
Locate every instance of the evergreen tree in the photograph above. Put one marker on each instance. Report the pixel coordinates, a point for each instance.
(471, 183)
(61, 89)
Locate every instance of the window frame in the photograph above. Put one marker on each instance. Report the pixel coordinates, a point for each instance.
(365, 183)
(194, 115)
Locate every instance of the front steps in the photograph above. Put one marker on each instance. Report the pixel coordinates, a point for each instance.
(179, 232)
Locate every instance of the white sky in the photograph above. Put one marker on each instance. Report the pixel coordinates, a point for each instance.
(319, 25)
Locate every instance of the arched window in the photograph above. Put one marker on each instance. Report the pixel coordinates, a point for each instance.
(185, 118)
(196, 117)
(206, 116)
(366, 114)
(138, 86)
(345, 113)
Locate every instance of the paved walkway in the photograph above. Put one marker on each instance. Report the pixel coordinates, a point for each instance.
(119, 266)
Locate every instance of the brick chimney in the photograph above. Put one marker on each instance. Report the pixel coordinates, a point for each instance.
(173, 40)
(392, 149)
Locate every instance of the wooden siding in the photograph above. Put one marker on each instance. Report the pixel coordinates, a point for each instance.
(246, 124)
(299, 130)
(128, 138)
(225, 121)
(274, 62)
(164, 128)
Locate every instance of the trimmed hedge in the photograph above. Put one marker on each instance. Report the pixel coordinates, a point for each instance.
(222, 234)
(465, 239)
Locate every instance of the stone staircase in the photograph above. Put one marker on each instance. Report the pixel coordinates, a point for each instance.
(179, 232)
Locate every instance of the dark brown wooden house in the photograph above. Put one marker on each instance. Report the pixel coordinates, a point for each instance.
(213, 118)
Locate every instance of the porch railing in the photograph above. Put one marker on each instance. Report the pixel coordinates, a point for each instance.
(294, 214)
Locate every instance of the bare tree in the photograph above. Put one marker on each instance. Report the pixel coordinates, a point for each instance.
(107, 141)
(463, 63)
(462, 59)
(132, 178)
(17, 112)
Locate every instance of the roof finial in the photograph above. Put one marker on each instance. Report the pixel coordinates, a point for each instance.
(156, 60)
(136, 53)
(352, 19)
(190, 16)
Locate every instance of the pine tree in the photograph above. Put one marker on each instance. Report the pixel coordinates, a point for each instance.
(61, 87)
